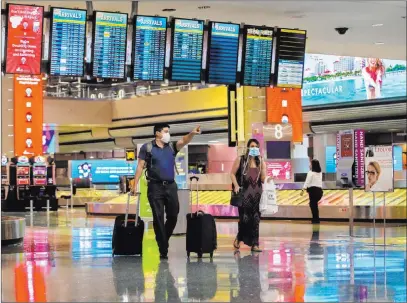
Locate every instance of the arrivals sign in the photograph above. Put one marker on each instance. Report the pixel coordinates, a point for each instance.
(337, 79)
(28, 115)
(24, 39)
(379, 169)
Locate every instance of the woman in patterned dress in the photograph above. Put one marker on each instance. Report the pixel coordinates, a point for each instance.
(250, 170)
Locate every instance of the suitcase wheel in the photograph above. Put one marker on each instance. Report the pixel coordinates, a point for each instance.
(211, 255)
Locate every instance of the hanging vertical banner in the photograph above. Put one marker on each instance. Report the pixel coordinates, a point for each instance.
(284, 106)
(359, 137)
(24, 39)
(379, 169)
(28, 115)
(345, 155)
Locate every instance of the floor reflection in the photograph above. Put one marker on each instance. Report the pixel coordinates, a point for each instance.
(300, 263)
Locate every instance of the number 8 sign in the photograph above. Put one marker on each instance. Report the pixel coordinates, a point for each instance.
(277, 132)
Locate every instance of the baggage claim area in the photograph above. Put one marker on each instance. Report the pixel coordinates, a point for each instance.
(85, 82)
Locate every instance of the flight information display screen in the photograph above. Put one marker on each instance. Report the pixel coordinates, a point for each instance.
(109, 45)
(149, 48)
(186, 50)
(68, 33)
(290, 54)
(257, 55)
(223, 51)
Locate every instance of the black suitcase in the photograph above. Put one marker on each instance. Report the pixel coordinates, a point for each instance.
(201, 231)
(128, 232)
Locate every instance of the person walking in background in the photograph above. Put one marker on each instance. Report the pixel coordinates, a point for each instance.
(313, 185)
(248, 174)
(159, 158)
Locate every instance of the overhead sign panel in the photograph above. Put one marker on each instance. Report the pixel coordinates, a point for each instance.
(290, 54)
(149, 48)
(68, 33)
(257, 55)
(109, 45)
(223, 52)
(24, 39)
(186, 50)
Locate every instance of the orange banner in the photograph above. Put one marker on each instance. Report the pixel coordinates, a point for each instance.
(28, 115)
(285, 105)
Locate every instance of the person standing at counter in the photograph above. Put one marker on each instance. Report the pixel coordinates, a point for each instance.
(313, 185)
(248, 174)
(158, 157)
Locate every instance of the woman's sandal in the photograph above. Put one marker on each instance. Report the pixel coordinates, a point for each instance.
(236, 244)
(256, 249)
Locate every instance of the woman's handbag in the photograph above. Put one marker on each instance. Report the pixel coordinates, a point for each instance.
(268, 202)
(237, 198)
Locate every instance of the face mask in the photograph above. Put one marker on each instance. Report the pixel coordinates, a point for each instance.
(254, 152)
(166, 138)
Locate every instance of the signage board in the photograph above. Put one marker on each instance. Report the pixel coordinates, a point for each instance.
(109, 45)
(379, 169)
(68, 39)
(186, 50)
(24, 39)
(257, 55)
(223, 50)
(149, 48)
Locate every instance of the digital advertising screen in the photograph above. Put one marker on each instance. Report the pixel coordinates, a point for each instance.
(290, 55)
(278, 149)
(330, 79)
(24, 39)
(223, 51)
(102, 171)
(186, 50)
(279, 170)
(109, 45)
(257, 55)
(330, 159)
(398, 157)
(149, 48)
(68, 33)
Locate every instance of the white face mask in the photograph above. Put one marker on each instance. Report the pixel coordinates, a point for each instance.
(166, 137)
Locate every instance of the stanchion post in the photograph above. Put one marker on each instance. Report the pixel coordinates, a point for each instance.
(374, 219)
(351, 220)
(384, 218)
(31, 212)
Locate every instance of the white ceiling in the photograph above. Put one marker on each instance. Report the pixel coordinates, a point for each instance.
(318, 17)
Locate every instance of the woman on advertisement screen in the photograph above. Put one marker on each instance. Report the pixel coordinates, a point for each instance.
(373, 173)
(373, 74)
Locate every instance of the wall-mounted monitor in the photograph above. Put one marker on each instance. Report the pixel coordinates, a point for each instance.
(109, 45)
(186, 50)
(149, 47)
(278, 150)
(223, 51)
(24, 39)
(68, 40)
(290, 55)
(257, 55)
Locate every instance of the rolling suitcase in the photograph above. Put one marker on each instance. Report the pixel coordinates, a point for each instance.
(128, 232)
(201, 230)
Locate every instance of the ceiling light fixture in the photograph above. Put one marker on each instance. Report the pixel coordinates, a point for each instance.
(379, 43)
(204, 7)
(377, 24)
(169, 10)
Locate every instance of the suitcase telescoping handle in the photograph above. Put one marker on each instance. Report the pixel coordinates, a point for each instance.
(126, 216)
(197, 191)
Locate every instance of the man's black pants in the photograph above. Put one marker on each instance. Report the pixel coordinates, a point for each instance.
(163, 198)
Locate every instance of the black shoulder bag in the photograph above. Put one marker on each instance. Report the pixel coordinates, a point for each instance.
(237, 198)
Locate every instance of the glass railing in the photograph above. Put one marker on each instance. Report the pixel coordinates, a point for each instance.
(116, 91)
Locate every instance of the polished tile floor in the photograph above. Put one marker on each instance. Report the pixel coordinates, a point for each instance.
(66, 257)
